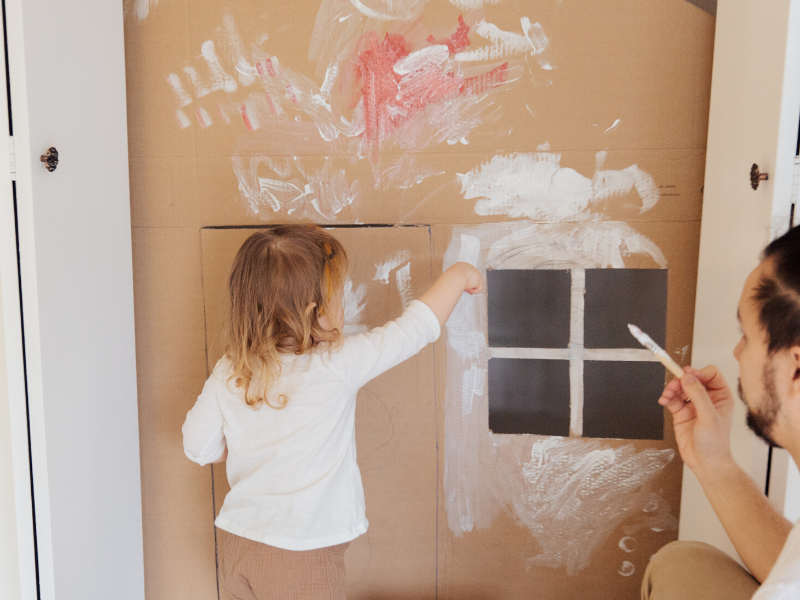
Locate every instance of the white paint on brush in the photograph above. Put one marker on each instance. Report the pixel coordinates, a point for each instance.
(220, 80)
(383, 270)
(354, 305)
(535, 185)
(403, 277)
(571, 493)
(181, 95)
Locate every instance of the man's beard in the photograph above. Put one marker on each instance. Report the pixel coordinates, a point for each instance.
(762, 421)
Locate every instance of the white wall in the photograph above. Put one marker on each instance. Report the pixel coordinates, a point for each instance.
(9, 560)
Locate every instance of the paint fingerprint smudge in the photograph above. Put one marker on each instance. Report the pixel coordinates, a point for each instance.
(354, 305)
(383, 270)
(535, 185)
(627, 568)
(571, 493)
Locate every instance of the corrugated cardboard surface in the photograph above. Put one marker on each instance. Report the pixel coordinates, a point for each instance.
(647, 65)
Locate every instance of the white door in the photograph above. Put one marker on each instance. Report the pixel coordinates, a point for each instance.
(755, 109)
(67, 90)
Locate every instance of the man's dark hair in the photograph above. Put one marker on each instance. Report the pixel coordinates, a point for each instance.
(778, 292)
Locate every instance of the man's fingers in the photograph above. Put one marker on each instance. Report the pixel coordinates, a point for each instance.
(698, 394)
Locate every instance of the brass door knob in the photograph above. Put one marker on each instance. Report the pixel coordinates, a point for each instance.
(756, 176)
(50, 159)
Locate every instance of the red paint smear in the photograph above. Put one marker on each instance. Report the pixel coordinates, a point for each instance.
(200, 119)
(486, 81)
(290, 93)
(223, 114)
(243, 110)
(458, 41)
(389, 99)
(271, 105)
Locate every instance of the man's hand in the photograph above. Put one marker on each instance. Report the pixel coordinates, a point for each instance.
(701, 404)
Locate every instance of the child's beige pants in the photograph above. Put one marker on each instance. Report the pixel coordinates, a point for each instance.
(253, 571)
(695, 571)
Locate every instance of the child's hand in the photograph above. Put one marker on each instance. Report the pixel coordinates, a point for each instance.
(445, 292)
(474, 279)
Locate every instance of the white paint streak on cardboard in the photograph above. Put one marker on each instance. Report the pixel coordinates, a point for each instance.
(403, 277)
(503, 44)
(354, 305)
(470, 250)
(613, 126)
(220, 80)
(389, 10)
(627, 568)
(200, 88)
(181, 119)
(203, 118)
(276, 184)
(535, 185)
(181, 95)
(383, 270)
(570, 492)
(234, 49)
(472, 4)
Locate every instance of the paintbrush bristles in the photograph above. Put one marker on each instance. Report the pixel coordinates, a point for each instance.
(664, 358)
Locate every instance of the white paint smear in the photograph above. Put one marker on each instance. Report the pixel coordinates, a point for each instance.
(382, 270)
(389, 10)
(535, 185)
(503, 44)
(275, 184)
(613, 126)
(234, 48)
(403, 277)
(472, 4)
(181, 119)
(203, 118)
(627, 568)
(220, 80)
(571, 493)
(470, 250)
(200, 88)
(181, 95)
(354, 305)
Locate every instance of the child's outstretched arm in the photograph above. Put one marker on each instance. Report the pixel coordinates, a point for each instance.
(445, 292)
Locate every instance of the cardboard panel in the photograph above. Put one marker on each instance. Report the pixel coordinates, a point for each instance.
(494, 558)
(395, 415)
(171, 369)
(232, 124)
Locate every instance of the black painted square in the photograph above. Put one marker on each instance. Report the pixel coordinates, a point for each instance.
(529, 396)
(616, 297)
(620, 400)
(529, 308)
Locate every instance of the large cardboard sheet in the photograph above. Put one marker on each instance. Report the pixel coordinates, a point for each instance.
(245, 114)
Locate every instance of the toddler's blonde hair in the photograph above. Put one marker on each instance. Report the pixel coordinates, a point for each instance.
(276, 276)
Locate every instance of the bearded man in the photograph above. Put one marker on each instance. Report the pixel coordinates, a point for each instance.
(702, 404)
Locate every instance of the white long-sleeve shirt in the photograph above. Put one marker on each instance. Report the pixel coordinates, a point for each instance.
(295, 482)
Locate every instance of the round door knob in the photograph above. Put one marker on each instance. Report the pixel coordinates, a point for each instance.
(50, 159)
(756, 176)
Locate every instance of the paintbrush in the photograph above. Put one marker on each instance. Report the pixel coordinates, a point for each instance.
(664, 358)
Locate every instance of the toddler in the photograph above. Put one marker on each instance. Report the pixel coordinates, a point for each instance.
(279, 408)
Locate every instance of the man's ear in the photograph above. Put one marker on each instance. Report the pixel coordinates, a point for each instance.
(794, 360)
